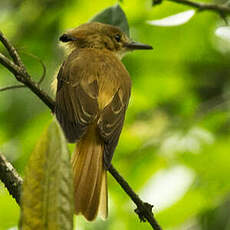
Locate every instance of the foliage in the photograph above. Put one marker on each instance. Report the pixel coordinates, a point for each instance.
(47, 194)
(114, 16)
(174, 148)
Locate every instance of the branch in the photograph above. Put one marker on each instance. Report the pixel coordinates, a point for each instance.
(10, 178)
(218, 8)
(8, 174)
(144, 210)
(12, 51)
(17, 68)
(13, 183)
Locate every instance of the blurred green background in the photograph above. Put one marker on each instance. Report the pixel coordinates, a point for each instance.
(174, 148)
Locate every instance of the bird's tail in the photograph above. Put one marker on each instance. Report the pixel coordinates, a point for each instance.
(90, 177)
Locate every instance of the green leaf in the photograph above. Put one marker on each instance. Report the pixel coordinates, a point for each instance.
(113, 15)
(47, 196)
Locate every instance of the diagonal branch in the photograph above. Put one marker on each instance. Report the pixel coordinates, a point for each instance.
(144, 210)
(10, 178)
(12, 51)
(218, 8)
(8, 174)
(13, 183)
(221, 9)
(13, 68)
(17, 68)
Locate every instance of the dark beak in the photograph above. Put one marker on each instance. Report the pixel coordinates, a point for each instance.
(67, 38)
(138, 46)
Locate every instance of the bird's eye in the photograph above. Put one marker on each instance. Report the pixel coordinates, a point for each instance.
(118, 37)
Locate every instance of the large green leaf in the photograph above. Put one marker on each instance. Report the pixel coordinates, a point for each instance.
(113, 15)
(47, 196)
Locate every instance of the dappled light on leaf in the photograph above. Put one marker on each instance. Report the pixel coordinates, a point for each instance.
(174, 20)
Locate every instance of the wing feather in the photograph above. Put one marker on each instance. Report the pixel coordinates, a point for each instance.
(93, 91)
(76, 98)
(111, 122)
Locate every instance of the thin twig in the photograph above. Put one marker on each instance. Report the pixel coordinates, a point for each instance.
(10, 178)
(144, 210)
(219, 8)
(21, 74)
(12, 87)
(12, 51)
(13, 181)
(23, 86)
(42, 64)
(44, 72)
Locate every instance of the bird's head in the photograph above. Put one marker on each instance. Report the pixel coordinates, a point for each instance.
(101, 36)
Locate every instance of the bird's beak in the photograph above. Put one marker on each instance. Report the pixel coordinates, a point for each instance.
(138, 46)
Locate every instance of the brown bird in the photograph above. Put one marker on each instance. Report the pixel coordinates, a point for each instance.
(92, 97)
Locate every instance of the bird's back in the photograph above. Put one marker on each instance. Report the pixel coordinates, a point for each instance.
(92, 97)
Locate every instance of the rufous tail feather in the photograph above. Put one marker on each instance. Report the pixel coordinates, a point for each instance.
(90, 177)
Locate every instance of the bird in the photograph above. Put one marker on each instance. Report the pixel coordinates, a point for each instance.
(93, 91)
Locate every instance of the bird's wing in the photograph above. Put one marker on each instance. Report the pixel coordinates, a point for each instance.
(93, 89)
(76, 98)
(112, 117)
(110, 125)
